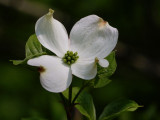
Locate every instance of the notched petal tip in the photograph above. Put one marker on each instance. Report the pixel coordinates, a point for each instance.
(102, 23)
(50, 13)
(41, 69)
(96, 60)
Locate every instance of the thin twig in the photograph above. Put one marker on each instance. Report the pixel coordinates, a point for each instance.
(70, 94)
(63, 99)
(82, 88)
(65, 106)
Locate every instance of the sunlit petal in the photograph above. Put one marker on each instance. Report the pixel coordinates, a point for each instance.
(84, 69)
(93, 37)
(54, 75)
(52, 34)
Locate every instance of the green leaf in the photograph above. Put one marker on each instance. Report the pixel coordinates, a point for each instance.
(84, 102)
(112, 64)
(86, 106)
(117, 107)
(33, 49)
(103, 74)
(101, 81)
(17, 62)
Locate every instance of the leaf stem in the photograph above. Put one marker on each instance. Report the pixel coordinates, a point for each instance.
(63, 99)
(70, 94)
(65, 104)
(82, 88)
(69, 104)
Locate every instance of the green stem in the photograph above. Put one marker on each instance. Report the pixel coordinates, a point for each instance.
(69, 105)
(70, 94)
(63, 99)
(67, 109)
(82, 88)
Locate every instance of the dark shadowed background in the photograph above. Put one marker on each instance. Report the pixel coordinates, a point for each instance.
(138, 72)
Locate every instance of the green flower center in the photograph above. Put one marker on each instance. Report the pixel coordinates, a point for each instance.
(70, 57)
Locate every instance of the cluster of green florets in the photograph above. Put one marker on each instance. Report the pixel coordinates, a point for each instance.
(70, 57)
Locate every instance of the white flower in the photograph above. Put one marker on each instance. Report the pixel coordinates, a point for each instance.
(91, 40)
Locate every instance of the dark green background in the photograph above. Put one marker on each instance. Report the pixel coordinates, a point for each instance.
(138, 73)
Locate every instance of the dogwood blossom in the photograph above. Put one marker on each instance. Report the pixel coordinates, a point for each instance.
(91, 40)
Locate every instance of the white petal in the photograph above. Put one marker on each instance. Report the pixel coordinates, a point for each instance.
(84, 69)
(52, 34)
(92, 37)
(56, 77)
(103, 62)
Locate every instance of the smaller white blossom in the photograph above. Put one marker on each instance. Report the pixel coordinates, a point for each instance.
(91, 40)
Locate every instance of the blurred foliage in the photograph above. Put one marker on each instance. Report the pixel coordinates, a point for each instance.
(33, 49)
(137, 76)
